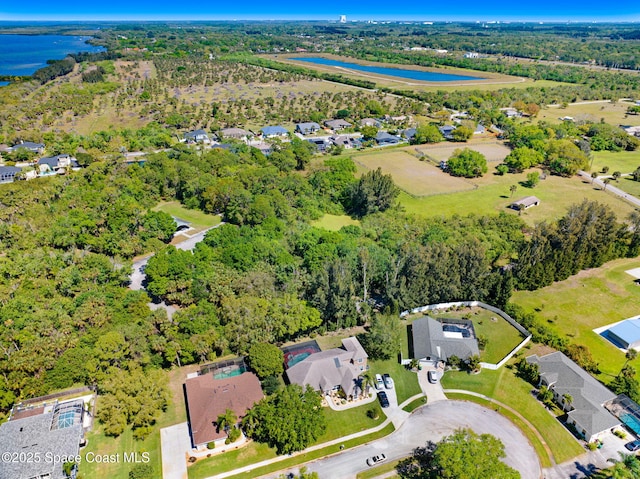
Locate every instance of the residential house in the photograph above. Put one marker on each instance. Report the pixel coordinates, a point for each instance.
(28, 145)
(265, 148)
(510, 112)
(338, 368)
(438, 341)
(347, 142)
(384, 139)
(8, 173)
(577, 392)
(409, 133)
(274, 132)
(307, 128)
(479, 130)
(197, 136)
(320, 143)
(235, 133)
(337, 125)
(209, 398)
(59, 163)
(525, 203)
(472, 55)
(447, 131)
(370, 122)
(44, 431)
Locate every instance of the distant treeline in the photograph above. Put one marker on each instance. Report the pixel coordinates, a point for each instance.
(58, 68)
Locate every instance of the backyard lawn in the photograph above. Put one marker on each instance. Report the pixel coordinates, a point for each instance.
(197, 218)
(588, 300)
(502, 385)
(335, 222)
(622, 161)
(501, 336)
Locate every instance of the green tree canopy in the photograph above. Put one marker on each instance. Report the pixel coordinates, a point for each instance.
(427, 133)
(522, 158)
(374, 192)
(266, 360)
(467, 163)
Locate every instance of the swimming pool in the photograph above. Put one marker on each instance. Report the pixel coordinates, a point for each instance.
(394, 72)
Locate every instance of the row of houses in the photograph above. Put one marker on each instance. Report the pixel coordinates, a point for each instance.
(47, 166)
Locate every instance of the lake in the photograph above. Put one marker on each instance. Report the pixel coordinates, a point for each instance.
(24, 54)
(394, 72)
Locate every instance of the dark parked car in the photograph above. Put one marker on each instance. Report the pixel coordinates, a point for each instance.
(372, 461)
(384, 400)
(388, 382)
(633, 446)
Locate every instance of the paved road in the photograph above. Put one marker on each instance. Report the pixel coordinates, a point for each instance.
(611, 189)
(433, 422)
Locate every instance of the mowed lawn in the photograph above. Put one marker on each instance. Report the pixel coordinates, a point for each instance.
(335, 222)
(612, 113)
(501, 337)
(586, 301)
(502, 385)
(198, 219)
(628, 185)
(493, 151)
(418, 178)
(493, 196)
(622, 161)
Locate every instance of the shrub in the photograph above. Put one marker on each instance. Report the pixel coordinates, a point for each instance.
(211, 445)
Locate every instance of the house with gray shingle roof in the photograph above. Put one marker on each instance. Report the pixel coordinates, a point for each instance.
(41, 433)
(437, 341)
(197, 136)
(59, 163)
(274, 132)
(338, 368)
(586, 410)
(308, 128)
(28, 145)
(338, 124)
(237, 133)
(8, 173)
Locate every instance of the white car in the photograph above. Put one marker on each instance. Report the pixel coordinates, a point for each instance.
(372, 461)
(379, 382)
(433, 377)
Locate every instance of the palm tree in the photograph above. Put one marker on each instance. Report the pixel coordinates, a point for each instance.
(513, 189)
(474, 362)
(617, 175)
(606, 181)
(568, 399)
(594, 175)
(367, 381)
(250, 422)
(227, 420)
(631, 354)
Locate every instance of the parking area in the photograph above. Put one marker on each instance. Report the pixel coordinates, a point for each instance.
(433, 391)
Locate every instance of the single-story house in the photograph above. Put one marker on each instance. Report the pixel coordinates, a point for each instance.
(337, 124)
(409, 133)
(237, 133)
(40, 432)
(370, 122)
(510, 112)
(28, 145)
(577, 392)
(472, 55)
(626, 334)
(344, 141)
(265, 148)
(384, 138)
(209, 398)
(438, 341)
(447, 131)
(59, 163)
(479, 130)
(197, 136)
(321, 143)
(526, 202)
(8, 173)
(337, 368)
(274, 132)
(308, 128)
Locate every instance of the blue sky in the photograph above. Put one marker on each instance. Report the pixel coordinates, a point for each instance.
(563, 10)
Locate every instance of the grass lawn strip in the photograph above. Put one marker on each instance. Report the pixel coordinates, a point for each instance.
(334, 222)
(378, 471)
(504, 387)
(622, 161)
(198, 219)
(415, 404)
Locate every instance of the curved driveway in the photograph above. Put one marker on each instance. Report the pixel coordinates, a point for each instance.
(432, 423)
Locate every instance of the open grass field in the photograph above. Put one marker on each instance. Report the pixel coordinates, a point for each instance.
(628, 185)
(493, 151)
(197, 218)
(622, 161)
(613, 113)
(335, 222)
(493, 196)
(418, 178)
(588, 300)
(484, 80)
(502, 385)
(501, 336)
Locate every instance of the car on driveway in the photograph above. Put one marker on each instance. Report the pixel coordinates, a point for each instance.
(388, 382)
(379, 382)
(633, 446)
(372, 461)
(433, 376)
(384, 400)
